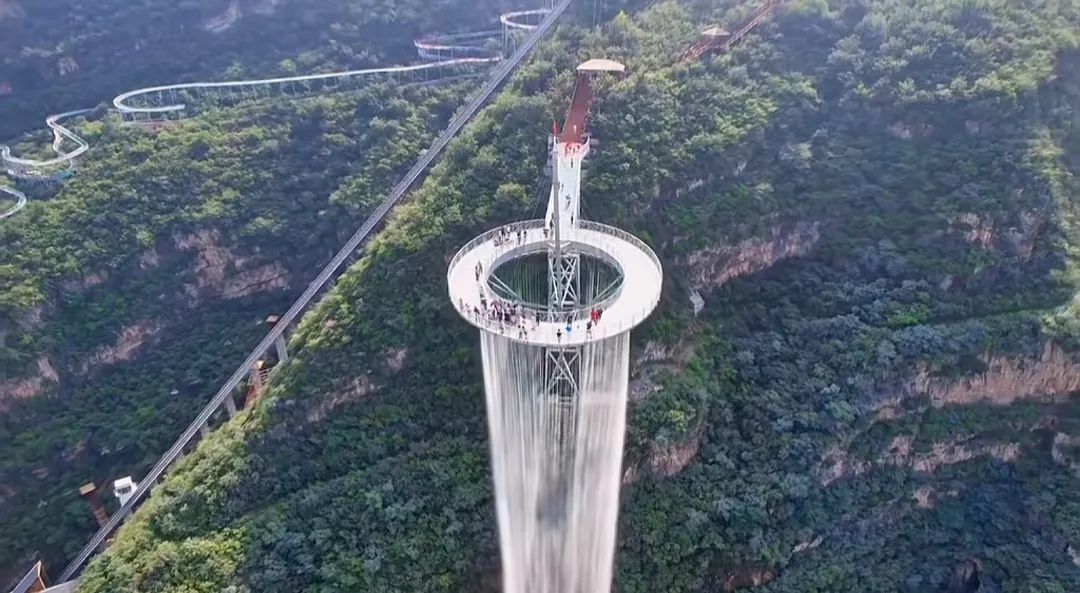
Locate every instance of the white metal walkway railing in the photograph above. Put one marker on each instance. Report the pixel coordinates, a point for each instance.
(20, 201)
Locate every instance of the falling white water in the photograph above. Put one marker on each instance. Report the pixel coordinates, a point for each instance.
(557, 463)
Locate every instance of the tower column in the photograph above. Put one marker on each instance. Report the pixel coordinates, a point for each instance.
(555, 343)
(230, 406)
(279, 343)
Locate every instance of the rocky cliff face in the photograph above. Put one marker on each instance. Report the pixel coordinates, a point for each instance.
(235, 11)
(1004, 380)
(1016, 236)
(67, 65)
(705, 270)
(218, 273)
(1051, 376)
(31, 386)
(712, 267)
(837, 463)
(127, 344)
(672, 459)
(221, 273)
(11, 10)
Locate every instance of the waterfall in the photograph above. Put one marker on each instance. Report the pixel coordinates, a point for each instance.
(557, 462)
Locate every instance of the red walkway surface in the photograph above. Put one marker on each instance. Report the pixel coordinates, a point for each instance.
(573, 131)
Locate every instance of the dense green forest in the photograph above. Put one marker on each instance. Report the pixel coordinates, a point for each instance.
(59, 55)
(129, 293)
(202, 232)
(876, 201)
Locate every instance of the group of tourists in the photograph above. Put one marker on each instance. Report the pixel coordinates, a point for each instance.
(507, 315)
(594, 319)
(510, 315)
(506, 235)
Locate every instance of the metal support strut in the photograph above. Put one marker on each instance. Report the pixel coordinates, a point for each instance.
(562, 365)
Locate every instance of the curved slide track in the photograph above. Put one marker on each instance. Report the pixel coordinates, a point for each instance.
(19, 167)
(20, 201)
(447, 57)
(160, 103)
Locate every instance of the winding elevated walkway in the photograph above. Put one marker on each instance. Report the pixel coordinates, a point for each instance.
(157, 103)
(20, 201)
(447, 57)
(18, 167)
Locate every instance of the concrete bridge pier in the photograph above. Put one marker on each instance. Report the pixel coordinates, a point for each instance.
(279, 343)
(230, 406)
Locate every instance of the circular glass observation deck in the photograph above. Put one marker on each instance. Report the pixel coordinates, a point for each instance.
(619, 273)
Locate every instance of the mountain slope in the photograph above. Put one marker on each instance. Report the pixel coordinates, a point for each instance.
(60, 55)
(873, 199)
(128, 293)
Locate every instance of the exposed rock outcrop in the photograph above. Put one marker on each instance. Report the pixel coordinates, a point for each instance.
(837, 463)
(1004, 380)
(28, 387)
(808, 545)
(990, 233)
(149, 259)
(670, 460)
(396, 360)
(926, 496)
(84, 283)
(712, 267)
(66, 65)
(979, 230)
(907, 131)
(224, 21)
(957, 452)
(354, 391)
(222, 274)
(127, 344)
(659, 352)
(748, 576)
(235, 12)
(1074, 554)
(697, 302)
(11, 10)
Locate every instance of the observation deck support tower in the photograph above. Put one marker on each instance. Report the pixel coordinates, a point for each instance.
(555, 300)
